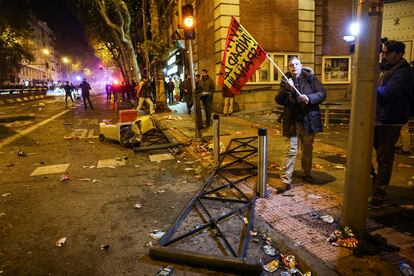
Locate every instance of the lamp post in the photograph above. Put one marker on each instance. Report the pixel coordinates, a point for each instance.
(189, 35)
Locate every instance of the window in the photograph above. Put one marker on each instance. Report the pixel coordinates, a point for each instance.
(268, 73)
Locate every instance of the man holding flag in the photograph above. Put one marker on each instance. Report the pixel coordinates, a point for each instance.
(301, 118)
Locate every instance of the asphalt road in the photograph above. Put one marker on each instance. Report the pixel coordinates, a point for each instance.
(94, 207)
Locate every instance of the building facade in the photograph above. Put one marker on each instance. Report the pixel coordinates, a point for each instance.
(310, 29)
(46, 68)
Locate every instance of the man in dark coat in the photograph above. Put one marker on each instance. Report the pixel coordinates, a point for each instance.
(392, 112)
(85, 88)
(68, 93)
(188, 94)
(144, 94)
(206, 87)
(301, 118)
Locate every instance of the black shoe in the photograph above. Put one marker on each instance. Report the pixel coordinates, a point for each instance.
(283, 188)
(308, 178)
(377, 202)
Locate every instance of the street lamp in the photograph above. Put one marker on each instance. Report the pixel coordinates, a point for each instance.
(46, 51)
(66, 60)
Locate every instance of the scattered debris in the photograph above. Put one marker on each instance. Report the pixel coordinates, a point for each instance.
(344, 238)
(6, 194)
(298, 244)
(136, 166)
(9, 165)
(148, 184)
(84, 179)
(21, 153)
(246, 221)
(271, 266)
(289, 261)
(166, 270)
(407, 206)
(60, 242)
(327, 218)
(253, 233)
(156, 234)
(105, 247)
(402, 165)
(148, 244)
(198, 176)
(52, 169)
(2, 214)
(138, 206)
(95, 180)
(161, 191)
(121, 158)
(64, 177)
(269, 250)
(189, 169)
(173, 117)
(276, 166)
(339, 166)
(318, 166)
(314, 196)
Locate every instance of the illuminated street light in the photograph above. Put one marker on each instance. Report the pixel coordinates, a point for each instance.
(349, 38)
(65, 60)
(189, 22)
(354, 29)
(46, 51)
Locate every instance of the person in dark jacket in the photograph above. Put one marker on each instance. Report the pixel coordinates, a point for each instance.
(188, 95)
(68, 93)
(144, 94)
(85, 88)
(206, 88)
(301, 118)
(392, 112)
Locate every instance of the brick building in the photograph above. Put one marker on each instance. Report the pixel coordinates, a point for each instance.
(311, 29)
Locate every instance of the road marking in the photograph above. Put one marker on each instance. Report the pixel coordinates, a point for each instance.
(82, 133)
(110, 163)
(19, 135)
(60, 168)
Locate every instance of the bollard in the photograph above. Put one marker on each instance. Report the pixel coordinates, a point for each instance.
(261, 189)
(216, 139)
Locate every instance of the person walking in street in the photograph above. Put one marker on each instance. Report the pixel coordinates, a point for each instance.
(108, 92)
(206, 86)
(392, 111)
(228, 101)
(68, 93)
(187, 92)
(144, 95)
(170, 90)
(301, 118)
(85, 88)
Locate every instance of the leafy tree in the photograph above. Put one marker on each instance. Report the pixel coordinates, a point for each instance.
(14, 31)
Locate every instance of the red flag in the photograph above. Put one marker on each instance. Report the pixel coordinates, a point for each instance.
(242, 57)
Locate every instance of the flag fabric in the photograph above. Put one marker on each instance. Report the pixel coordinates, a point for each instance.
(242, 57)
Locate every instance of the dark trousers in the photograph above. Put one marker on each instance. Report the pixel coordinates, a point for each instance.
(108, 96)
(207, 102)
(385, 138)
(170, 95)
(89, 100)
(189, 102)
(66, 98)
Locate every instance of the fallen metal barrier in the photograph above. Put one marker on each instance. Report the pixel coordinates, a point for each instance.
(220, 191)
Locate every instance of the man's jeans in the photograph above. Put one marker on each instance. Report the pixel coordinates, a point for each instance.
(385, 138)
(306, 141)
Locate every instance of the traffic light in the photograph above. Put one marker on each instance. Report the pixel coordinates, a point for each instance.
(189, 22)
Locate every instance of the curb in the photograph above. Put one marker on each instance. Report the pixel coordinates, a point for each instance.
(21, 99)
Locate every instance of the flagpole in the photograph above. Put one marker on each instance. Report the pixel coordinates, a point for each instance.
(280, 71)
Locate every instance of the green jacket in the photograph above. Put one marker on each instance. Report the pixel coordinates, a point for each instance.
(206, 85)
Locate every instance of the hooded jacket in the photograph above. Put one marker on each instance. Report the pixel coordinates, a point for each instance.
(294, 111)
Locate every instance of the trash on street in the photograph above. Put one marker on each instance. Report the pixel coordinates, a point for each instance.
(156, 234)
(105, 247)
(60, 242)
(166, 271)
(271, 266)
(269, 251)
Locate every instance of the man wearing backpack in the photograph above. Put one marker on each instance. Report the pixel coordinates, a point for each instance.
(301, 118)
(392, 112)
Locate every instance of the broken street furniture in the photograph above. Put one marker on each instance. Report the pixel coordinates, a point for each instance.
(224, 187)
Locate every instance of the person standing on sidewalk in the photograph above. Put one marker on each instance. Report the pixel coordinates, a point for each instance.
(68, 93)
(85, 88)
(187, 91)
(207, 87)
(228, 101)
(301, 118)
(392, 112)
(144, 95)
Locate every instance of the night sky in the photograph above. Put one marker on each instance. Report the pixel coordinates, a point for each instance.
(70, 36)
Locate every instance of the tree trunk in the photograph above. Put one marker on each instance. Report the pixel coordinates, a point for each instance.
(159, 74)
(121, 32)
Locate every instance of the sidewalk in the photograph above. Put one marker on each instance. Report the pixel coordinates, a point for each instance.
(289, 215)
